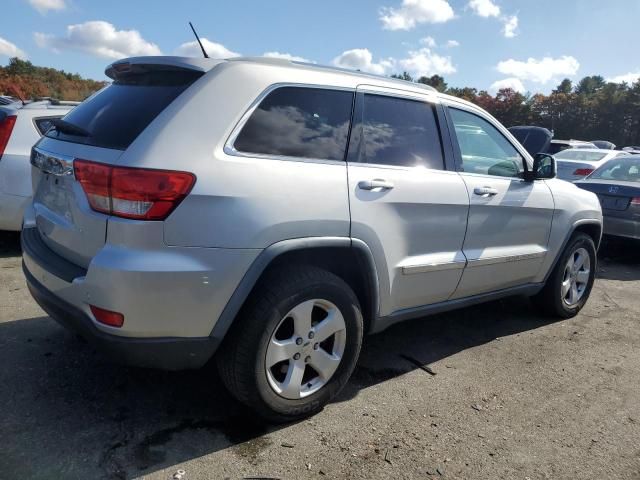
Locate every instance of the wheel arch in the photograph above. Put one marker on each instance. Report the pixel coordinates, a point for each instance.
(591, 227)
(349, 259)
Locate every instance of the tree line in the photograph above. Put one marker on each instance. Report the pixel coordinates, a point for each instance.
(22, 79)
(592, 109)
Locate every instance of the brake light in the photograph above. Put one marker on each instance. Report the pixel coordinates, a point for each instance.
(113, 319)
(136, 193)
(583, 172)
(6, 127)
(635, 201)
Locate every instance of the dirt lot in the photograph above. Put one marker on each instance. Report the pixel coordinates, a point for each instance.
(513, 396)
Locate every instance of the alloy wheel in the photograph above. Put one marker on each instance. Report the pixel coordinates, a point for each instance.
(576, 277)
(305, 349)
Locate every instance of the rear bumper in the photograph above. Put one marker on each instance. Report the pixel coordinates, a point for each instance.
(170, 298)
(163, 353)
(11, 211)
(621, 227)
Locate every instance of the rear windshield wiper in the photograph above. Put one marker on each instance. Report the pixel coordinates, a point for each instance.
(66, 127)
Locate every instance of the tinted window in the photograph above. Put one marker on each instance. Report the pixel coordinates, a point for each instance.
(299, 122)
(483, 148)
(44, 124)
(403, 132)
(117, 114)
(623, 169)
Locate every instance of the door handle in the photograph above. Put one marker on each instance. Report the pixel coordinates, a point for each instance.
(374, 184)
(485, 191)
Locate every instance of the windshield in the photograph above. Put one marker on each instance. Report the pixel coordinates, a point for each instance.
(580, 155)
(623, 169)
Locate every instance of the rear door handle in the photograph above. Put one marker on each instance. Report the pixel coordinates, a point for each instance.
(485, 191)
(374, 184)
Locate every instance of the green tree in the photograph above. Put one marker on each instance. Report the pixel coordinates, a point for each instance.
(565, 87)
(403, 76)
(436, 81)
(590, 85)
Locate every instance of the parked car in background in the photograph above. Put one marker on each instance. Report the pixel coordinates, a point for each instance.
(604, 144)
(7, 100)
(560, 145)
(632, 150)
(21, 125)
(533, 139)
(275, 212)
(617, 184)
(576, 163)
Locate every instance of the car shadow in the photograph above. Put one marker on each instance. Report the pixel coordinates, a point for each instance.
(70, 413)
(9, 244)
(619, 259)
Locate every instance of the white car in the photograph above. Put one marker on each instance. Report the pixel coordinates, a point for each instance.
(576, 163)
(20, 127)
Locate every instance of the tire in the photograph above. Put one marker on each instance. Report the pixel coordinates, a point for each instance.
(552, 299)
(267, 322)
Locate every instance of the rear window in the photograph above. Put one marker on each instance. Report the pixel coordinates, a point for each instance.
(116, 115)
(623, 169)
(581, 155)
(299, 122)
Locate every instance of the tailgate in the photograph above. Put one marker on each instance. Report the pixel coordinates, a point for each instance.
(64, 219)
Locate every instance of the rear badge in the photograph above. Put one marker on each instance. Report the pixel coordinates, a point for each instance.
(613, 189)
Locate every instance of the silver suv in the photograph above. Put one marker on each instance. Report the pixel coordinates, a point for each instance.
(273, 213)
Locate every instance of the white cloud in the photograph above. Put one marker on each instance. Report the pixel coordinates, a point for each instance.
(510, 27)
(539, 71)
(512, 83)
(417, 63)
(43, 6)
(630, 78)
(10, 50)
(425, 62)
(286, 56)
(452, 43)
(428, 41)
(362, 59)
(484, 8)
(415, 12)
(99, 38)
(213, 49)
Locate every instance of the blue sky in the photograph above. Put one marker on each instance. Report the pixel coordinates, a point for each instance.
(527, 44)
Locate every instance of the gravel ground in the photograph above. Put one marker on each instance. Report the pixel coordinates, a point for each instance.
(509, 395)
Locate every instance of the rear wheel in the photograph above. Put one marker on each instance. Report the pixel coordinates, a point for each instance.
(295, 345)
(569, 285)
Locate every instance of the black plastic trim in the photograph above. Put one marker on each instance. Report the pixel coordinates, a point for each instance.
(383, 323)
(49, 260)
(570, 233)
(269, 254)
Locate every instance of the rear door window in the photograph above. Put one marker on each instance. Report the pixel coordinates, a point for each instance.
(299, 122)
(400, 132)
(117, 114)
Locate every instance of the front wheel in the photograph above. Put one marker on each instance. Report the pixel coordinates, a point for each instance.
(569, 285)
(295, 345)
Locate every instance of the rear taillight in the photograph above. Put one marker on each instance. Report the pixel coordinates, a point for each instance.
(137, 193)
(635, 201)
(583, 172)
(6, 127)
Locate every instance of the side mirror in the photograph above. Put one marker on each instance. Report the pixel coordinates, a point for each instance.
(544, 166)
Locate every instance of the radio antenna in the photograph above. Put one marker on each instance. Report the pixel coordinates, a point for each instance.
(204, 52)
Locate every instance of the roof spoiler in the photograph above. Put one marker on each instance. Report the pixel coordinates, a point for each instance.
(127, 66)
